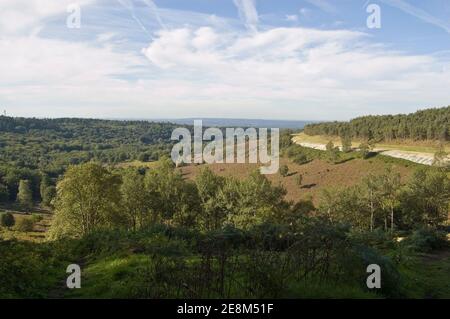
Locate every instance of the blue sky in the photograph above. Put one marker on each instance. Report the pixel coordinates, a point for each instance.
(302, 59)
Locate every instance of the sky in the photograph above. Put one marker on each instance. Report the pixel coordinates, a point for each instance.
(264, 59)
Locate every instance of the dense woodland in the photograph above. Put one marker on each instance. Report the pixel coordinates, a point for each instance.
(430, 124)
(40, 150)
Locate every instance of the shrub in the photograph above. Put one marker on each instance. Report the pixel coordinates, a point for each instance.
(7, 220)
(426, 240)
(25, 225)
(284, 170)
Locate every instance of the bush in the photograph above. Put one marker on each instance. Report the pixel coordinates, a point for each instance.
(7, 220)
(426, 240)
(284, 170)
(25, 225)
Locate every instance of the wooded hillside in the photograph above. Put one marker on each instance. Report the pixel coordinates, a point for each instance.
(430, 124)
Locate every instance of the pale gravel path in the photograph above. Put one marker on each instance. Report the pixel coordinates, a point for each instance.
(416, 157)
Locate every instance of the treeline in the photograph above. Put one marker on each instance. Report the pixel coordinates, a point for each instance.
(430, 124)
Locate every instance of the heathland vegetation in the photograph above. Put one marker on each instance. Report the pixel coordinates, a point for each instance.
(158, 231)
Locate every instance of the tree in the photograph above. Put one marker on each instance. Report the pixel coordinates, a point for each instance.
(25, 195)
(346, 141)
(134, 199)
(48, 195)
(88, 198)
(371, 191)
(4, 193)
(425, 199)
(172, 199)
(364, 150)
(7, 220)
(441, 157)
(332, 152)
(284, 170)
(209, 185)
(390, 186)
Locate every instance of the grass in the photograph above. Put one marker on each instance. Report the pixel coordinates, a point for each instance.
(427, 276)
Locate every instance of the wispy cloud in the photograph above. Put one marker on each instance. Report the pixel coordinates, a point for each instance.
(323, 5)
(418, 13)
(248, 13)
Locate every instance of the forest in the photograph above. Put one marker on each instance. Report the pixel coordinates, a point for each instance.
(429, 124)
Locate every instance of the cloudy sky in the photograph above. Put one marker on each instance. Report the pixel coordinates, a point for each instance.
(284, 59)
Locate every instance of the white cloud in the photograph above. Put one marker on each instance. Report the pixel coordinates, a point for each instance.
(292, 17)
(18, 16)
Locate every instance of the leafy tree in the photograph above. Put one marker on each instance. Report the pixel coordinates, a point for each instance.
(4, 193)
(364, 150)
(425, 199)
(48, 194)
(7, 220)
(25, 195)
(390, 186)
(346, 141)
(332, 152)
(88, 198)
(441, 157)
(209, 185)
(135, 199)
(172, 199)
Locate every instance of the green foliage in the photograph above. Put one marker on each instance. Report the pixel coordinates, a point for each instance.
(426, 240)
(430, 124)
(7, 220)
(426, 198)
(25, 225)
(87, 199)
(4, 193)
(284, 170)
(25, 196)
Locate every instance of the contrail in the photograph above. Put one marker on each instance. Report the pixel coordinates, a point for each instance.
(154, 10)
(248, 13)
(128, 4)
(418, 13)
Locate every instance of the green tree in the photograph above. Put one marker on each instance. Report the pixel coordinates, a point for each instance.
(88, 198)
(346, 141)
(25, 195)
(441, 157)
(135, 199)
(172, 199)
(209, 185)
(364, 150)
(390, 187)
(7, 220)
(48, 194)
(425, 199)
(4, 193)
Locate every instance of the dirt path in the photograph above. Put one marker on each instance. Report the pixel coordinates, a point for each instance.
(416, 157)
